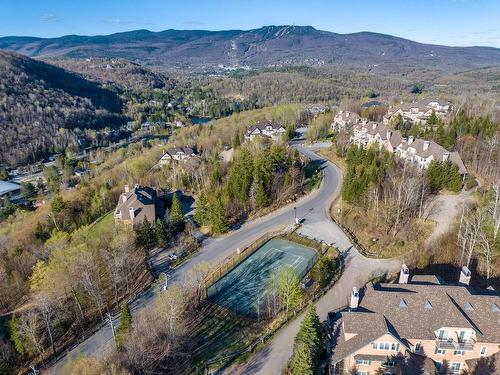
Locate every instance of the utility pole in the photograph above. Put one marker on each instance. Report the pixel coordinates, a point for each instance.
(112, 326)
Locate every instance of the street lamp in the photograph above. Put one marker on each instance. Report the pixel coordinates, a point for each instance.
(165, 285)
(295, 215)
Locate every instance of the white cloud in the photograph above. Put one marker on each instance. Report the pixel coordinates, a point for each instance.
(49, 18)
(117, 21)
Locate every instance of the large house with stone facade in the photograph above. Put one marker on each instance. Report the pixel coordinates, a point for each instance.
(345, 120)
(267, 129)
(178, 154)
(417, 152)
(418, 326)
(418, 112)
(137, 204)
(421, 153)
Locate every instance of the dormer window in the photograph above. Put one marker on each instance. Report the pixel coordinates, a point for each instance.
(428, 305)
(443, 334)
(402, 304)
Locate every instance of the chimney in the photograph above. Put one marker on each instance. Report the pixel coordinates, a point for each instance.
(127, 188)
(354, 299)
(464, 276)
(411, 138)
(389, 133)
(131, 213)
(426, 145)
(446, 155)
(124, 197)
(374, 125)
(404, 275)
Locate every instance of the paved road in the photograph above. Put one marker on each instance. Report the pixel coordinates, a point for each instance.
(311, 208)
(358, 270)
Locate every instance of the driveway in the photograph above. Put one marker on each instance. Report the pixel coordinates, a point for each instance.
(311, 208)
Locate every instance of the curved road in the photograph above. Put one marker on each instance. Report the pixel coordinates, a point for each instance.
(313, 209)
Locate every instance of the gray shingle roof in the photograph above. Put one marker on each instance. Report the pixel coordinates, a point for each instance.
(143, 200)
(367, 327)
(436, 151)
(416, 311)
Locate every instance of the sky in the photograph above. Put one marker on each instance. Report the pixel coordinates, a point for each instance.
(448, 22)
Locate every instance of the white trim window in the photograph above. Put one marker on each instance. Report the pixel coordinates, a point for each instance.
(362, 372)
(483, 350)
(418, 347)
(455, 366)
(439, 351)
(363, 362)
(385, 346)
(458, 352)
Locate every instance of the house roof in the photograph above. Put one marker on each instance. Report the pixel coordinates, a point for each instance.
(416, 311)
(367, 326)
(427, 102)
(437, 151)
(143, 200)
(347, 116)
(182, 150)
(8, 187)
(262, 126)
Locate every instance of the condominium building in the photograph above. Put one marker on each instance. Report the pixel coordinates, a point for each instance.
(417, 326)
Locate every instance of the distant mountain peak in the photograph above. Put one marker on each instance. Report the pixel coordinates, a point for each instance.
(274, 45)
(283, 30)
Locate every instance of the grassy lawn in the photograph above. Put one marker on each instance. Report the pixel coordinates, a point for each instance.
(101, 225)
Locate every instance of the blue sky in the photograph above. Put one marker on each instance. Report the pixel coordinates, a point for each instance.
(450, 22)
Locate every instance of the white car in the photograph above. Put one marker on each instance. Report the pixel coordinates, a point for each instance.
(173, 257)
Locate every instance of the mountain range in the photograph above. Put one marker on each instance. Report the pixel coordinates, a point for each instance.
(269, 46)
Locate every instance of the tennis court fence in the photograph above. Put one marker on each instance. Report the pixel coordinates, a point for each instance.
(232, 261)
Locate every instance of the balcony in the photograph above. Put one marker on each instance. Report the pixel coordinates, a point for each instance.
(445, 344)
(465, 345)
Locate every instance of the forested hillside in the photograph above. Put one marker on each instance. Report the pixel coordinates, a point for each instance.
(40, 104)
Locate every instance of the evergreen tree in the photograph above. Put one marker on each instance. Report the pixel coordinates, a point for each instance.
(453, 179)
(58, 204)
(163, 231)
(261, 196)
(310, 332)
(219, 219)
(15, 335)
(301, 362)
(146, 235)
(241, 176)
(202, 213)
(307, 344)
(124, 326)
(216, 173)
(176, 214)
(433, 119)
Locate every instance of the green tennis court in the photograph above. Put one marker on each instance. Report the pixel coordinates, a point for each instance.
(244, 287)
